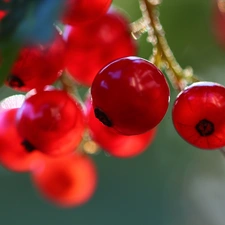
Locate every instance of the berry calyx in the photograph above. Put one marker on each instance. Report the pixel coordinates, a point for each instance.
(205, 127)
(198, 115)
(132, 94)
(14, 82)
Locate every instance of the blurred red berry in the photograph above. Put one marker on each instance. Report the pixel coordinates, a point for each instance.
(14, 154)
(37, 66)
(115, 144)
(89, 48)
(219, 21)
(84, 11)
(66, 181)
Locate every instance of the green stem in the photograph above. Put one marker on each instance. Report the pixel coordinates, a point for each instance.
(162, 55)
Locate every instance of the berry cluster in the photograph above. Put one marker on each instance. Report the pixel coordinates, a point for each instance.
(49, 131)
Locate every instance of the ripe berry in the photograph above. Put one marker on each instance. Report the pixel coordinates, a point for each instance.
(51, 121)
(37, 66)
(66, 181)
(198, 115)
(130, 95)
(115, 144)
(90, 47)
(82, 11)
(14, 154)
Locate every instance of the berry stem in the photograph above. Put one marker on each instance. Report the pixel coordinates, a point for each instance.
(87, 146)
(222, 150)
(70, 86)
(162, 55)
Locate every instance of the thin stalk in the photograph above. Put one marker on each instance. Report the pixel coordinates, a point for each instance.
(162, 55)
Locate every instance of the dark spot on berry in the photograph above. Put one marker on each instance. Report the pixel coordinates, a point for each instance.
(14, 81)
(205, 127)
(28, 146)
(102, 117)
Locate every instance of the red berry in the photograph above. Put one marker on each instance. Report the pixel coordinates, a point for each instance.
(115, 144)
(89, 48)
(82, 11)
(66, 181)
(14, 154)
(198, 115)
(219, 21)
(37, 66)
(3, 13)
(130, 95)
(51, 121)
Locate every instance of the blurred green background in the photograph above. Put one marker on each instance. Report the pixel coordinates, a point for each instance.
(172, 183)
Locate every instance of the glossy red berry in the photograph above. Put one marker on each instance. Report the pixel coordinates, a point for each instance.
(37, 66)
(51, 121)
(89, 48)
(198, 115)
(66, 181)
(15, 155)
(130, 95)
(84, 11)
(115, 144)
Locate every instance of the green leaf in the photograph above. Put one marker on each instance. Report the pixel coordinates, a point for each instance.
(27, 22)
(9, 52)
(30, 21)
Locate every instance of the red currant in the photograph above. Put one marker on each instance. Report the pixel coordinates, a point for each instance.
(37, 66)
(66, 181)
(115, 144)
(130, 95)
(89, 48)
(198, 115)
(51, 121)
(81, 11)
(15, 155)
